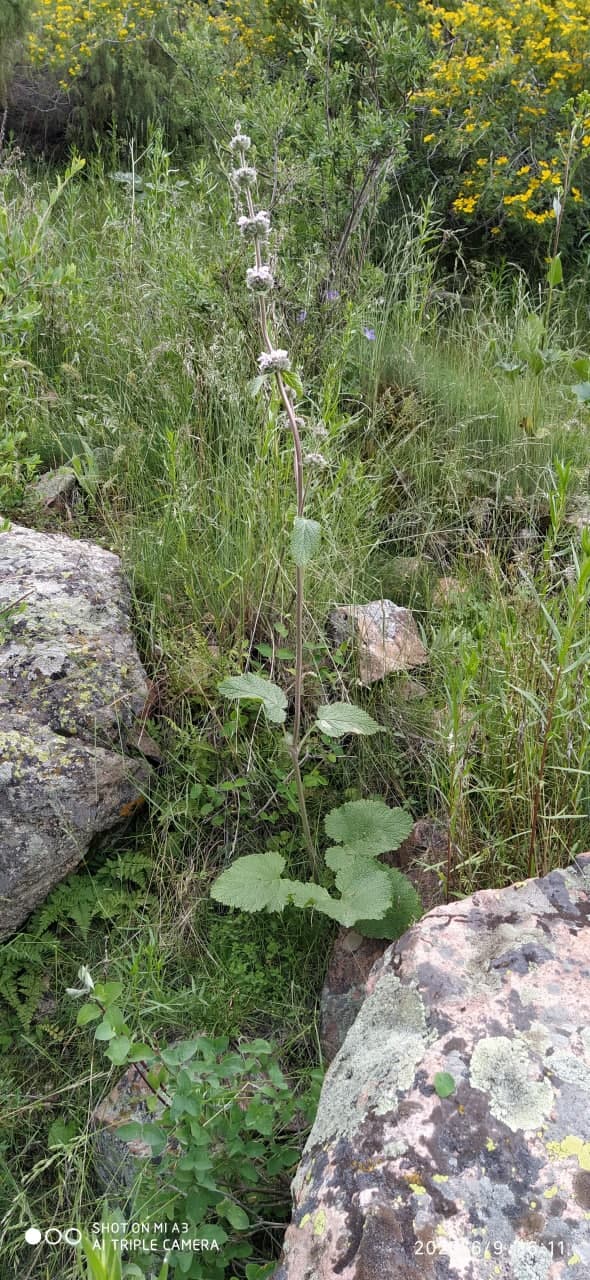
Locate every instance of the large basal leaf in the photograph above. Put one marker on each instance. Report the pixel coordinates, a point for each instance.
(310, 896)
(368, 827)
(339, 718)
(253, 883)
(362, 884)
(582, 391)
(405, 907)
(256, 687)
(305, 540)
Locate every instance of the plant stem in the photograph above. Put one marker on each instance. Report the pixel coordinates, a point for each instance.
(540, 780)
(299, 583)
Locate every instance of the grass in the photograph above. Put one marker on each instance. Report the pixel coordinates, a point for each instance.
(432, 452)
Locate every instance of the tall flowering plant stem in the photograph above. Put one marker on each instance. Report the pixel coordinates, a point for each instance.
(255, 227)
(377, 898)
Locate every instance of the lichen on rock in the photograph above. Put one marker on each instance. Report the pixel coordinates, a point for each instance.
(72, 692)
(491, 1182)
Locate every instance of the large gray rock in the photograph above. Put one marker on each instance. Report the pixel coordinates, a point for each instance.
(492, 1181)
(72, 688)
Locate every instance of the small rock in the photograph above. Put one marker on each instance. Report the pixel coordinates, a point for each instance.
(53, 489)
(386, 637)
(142, 741)
(411, 690)
(404, 568)
(116, 1161)
(579, 517)
(447, 590)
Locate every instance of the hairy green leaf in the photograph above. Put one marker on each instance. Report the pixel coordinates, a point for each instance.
(310, 895)
(117, 1050)
(253, 883)
(363, 885)
(404, 909)
(555, 271)
(339, 718)
(305, 540)
(258, 689)
(368, 827)
(88, 1013)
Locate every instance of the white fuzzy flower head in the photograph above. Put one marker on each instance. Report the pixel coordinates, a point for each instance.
(259, 279)
(275, 361)
(243, 177)
(240, 141)
(256, 228)
(87, 984)
(316, 460)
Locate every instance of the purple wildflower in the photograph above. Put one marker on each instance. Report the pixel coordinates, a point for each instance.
(369, 334)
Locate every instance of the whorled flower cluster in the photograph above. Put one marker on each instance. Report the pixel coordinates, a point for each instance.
(259, 279)
(256, 228)
(274, 361)
(244, 176)
(240, 141)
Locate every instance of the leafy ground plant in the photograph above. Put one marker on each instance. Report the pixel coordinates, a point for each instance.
(225, 1129)
(371, 895)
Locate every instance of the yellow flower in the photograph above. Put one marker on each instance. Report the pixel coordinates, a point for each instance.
(501, 161)
(428, 137)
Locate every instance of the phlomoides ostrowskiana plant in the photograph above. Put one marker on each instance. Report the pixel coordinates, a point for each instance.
(379, 900)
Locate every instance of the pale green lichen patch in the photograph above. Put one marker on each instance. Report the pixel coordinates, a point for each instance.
(377, 1061)
(502, 1068)
(319, 1223)
(529, 1261)
(571, 1070)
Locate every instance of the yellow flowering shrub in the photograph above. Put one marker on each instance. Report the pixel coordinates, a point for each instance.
(64, 36)
(492, 104)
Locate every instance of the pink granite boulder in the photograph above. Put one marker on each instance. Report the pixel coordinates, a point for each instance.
(452, 1140)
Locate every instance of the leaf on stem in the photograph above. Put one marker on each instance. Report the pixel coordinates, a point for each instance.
(368, 827)
(257, 689)
(339, 718)
(305, 540)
